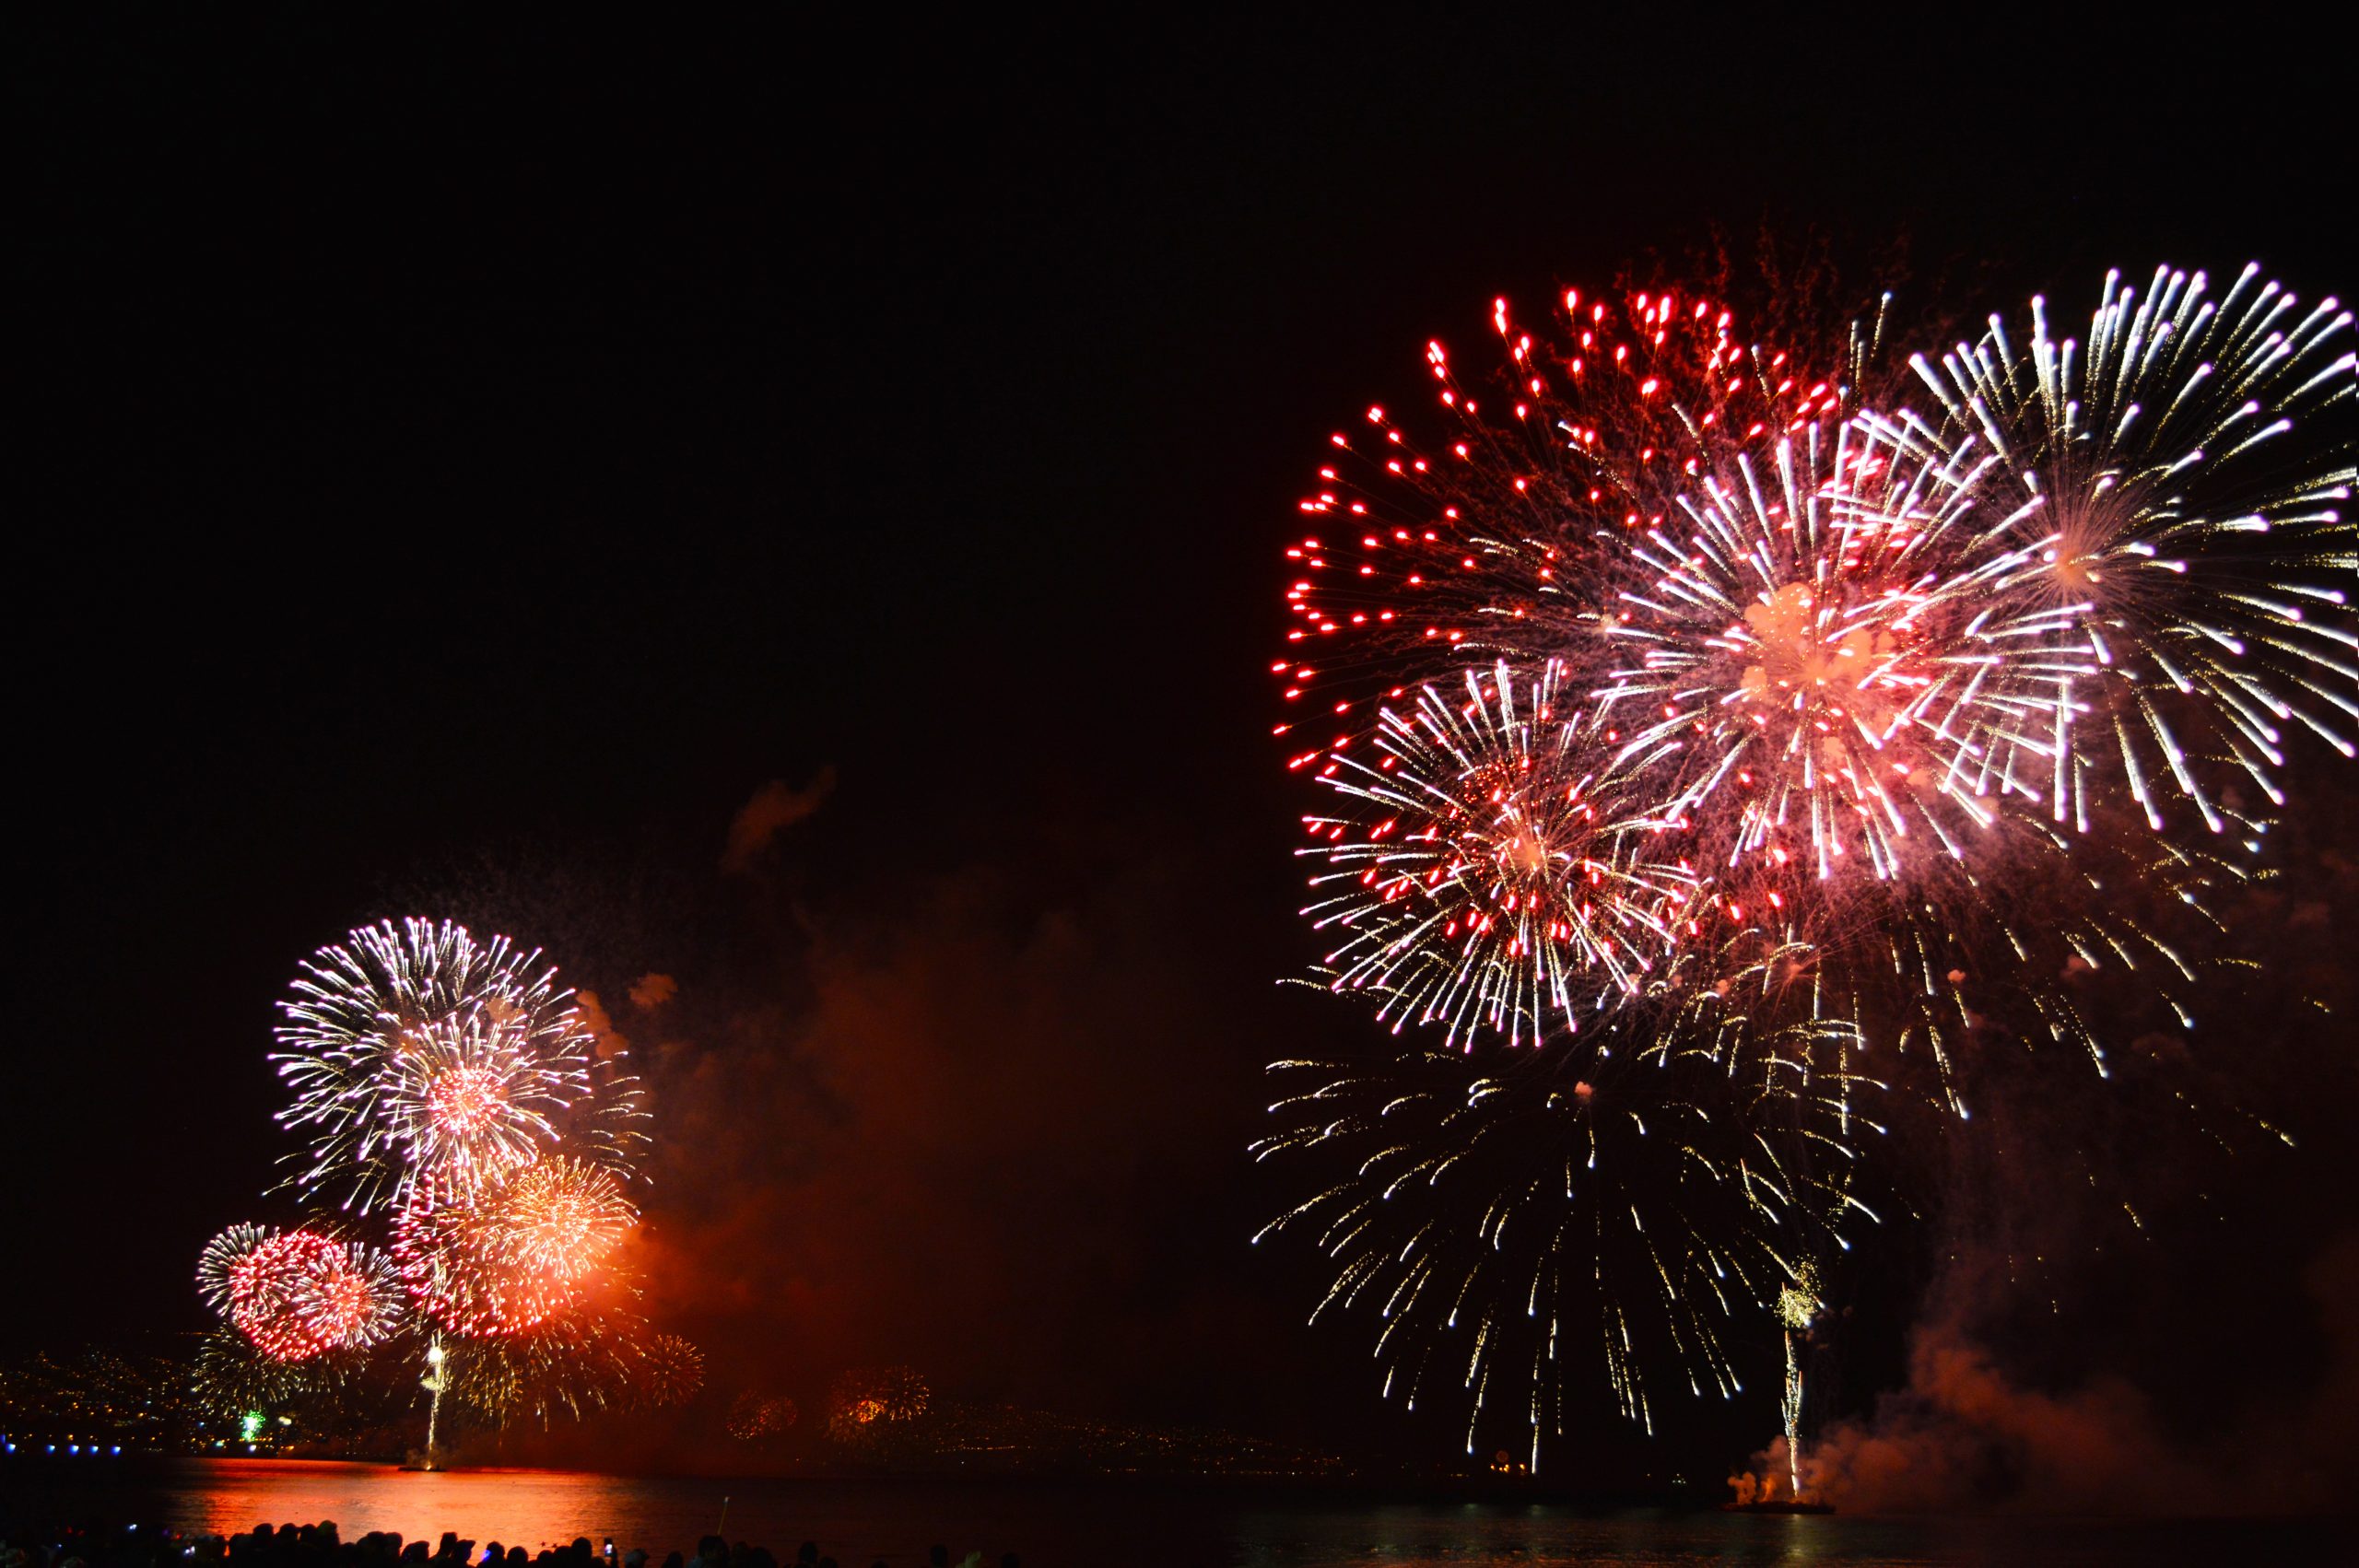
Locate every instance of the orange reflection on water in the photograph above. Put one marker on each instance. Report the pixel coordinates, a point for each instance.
(528, 1508)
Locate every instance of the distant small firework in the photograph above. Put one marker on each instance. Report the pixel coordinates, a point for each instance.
(872, 1407)
(295, 1294)
(417, 1053)
(451, 1085)
(668, 1370)
(754, 1415)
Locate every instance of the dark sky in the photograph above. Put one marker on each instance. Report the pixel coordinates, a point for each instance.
(465, 464)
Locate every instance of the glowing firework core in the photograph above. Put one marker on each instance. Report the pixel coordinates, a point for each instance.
(465, 1099)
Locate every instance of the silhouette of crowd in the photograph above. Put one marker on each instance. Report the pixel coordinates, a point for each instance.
(319, 1546)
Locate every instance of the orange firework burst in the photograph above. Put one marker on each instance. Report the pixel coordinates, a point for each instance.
(513, 1254)
(560, 1219)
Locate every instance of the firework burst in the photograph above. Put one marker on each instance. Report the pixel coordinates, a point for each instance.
(755, 1415)
(872, 1408)
(452, 1084)
(1776, 620)
(1507, 1215)
(349, 1296)
(231, 1377)
(1805, 743)
(417, 1054)
(2171, 546)
(1481, 547)
(295, 1294)
(1763, 594)
(1493, 873)
(1505, 1220)
(515, 1252)
(581, 1359)
(559, 1219)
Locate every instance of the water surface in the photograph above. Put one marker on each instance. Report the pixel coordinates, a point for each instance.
(861, 1522)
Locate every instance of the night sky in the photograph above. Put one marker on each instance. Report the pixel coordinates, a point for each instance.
(459, 470)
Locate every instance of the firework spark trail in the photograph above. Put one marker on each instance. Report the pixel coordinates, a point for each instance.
(1798, 1306)
(417, 1053)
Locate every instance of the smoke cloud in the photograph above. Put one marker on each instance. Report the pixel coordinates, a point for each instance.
(773, 810)
(601, 1024)
(1967, 1433)
(2205, 1360)
(978, 1138)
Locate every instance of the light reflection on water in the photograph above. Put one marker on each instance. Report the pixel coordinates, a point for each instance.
(896, 1521)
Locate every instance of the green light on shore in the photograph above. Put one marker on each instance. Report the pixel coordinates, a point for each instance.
(251, 1427)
